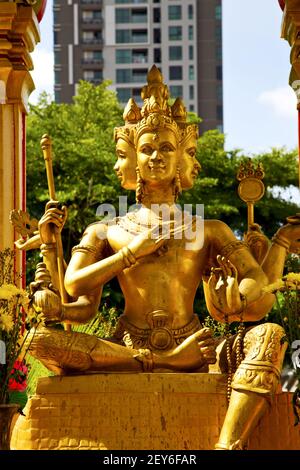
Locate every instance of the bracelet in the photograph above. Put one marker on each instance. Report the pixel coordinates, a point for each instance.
(128, 257)
(281, 241)
(47, 247)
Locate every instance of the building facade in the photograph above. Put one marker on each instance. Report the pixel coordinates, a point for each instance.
(120, 40)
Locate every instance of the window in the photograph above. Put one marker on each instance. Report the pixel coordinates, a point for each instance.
(176, 91)
(139, 56)
(92, 75)
(56, 57)
(219, 92)
(218, 12)
(57, 77)
(131, 15)
(175, 33)
(128, 75)
(175, 53)
(123, 56)
(124, 36)
(157, 36)
(90, 57)
(139, 75)
(124, 94)
(123, 75)
(139, 15)
(156, 15)
(191, 92)
(175, 73)
(139, 35)
(219, 53)
(219, 72)
(191, 32)
(122, 15)
(192, 108)
(191, 52)
(191, 72)
(157, 56)
(190, 12)
(219, 113)
(92, 37)
(218, 32)
(91, 16)
(174, 12)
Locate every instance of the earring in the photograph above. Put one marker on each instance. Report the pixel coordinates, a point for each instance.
(177, 184)
(140, 187)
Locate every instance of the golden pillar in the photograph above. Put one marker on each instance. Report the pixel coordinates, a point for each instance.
(19, 33)
(291, 32)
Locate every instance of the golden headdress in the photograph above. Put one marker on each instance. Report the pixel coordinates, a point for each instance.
(131, 115)
(156, 112)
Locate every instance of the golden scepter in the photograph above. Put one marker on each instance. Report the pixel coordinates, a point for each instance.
(46, 146)
(251, 188)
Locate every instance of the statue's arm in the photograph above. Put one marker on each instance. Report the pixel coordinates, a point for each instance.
(91, 265)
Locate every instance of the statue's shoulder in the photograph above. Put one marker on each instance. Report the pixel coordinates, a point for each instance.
(215, 226)
(95, 232)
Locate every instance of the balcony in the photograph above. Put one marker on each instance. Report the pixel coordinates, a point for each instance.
(92, 61)
(92, 2)
(92, 21)
(141, 59)
(90, 41)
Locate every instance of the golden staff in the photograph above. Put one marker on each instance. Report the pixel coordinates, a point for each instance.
(251, 188)
(46, 146)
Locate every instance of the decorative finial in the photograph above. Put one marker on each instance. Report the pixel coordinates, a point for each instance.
(155, 94)
(132, 113)
(248, 171)
(179, 111)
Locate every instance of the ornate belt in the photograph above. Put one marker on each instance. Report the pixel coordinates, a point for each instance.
(159, 336)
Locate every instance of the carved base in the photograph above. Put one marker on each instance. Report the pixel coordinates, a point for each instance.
(141, 411)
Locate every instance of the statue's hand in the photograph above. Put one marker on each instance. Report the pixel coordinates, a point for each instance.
(52, 221)
(28, 243)
(207, 346)
(291, 232)
(224, 290)
(149, 242)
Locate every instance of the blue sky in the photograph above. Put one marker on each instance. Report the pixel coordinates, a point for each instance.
(259, 106)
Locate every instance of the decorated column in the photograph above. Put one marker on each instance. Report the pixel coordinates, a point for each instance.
(291, 32)
(19, 34)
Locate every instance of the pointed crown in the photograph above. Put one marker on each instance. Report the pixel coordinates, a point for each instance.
(156, 112)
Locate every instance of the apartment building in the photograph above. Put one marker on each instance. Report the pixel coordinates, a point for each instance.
(121, 39)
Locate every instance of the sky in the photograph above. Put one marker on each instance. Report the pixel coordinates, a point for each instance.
(259, 105)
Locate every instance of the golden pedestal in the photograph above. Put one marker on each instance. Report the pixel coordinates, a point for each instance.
(141, 411)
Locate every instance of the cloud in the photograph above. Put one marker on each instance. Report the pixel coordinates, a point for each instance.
(282, 101)
(43, 73)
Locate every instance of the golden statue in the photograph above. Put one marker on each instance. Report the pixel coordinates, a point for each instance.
(159, 262)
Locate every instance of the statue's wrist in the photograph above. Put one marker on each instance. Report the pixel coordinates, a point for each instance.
(127, 256)
(281, 240)
(48, 247)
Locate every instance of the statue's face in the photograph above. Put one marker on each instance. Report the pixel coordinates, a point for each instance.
(125, 166)
(157, 156)
(189, 166)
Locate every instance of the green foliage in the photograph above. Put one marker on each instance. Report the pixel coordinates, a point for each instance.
(216, 186)
(83, 155)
